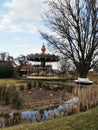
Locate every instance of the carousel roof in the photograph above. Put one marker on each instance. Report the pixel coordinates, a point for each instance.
(41, 57)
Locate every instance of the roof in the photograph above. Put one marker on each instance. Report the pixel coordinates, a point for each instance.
(24, 67)
(40, 57)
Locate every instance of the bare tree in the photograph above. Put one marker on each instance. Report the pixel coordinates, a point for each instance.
(6, 65)
(75, 25)
(3, 56)
(64, 65)
(21, 60)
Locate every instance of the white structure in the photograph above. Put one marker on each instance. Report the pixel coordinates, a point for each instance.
(83, 81)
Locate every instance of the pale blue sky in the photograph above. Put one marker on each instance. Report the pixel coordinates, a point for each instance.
(20, 22)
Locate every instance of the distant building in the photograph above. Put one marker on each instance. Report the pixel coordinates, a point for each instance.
(24, 69)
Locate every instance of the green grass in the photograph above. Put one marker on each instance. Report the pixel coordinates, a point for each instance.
(8, 81)
(11, 81)
(82, 121)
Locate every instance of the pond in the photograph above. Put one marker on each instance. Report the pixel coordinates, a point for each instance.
(10, 119)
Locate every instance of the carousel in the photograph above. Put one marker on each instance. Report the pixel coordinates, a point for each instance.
(42, 68)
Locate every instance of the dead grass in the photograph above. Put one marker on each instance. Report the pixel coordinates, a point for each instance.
(88, 97)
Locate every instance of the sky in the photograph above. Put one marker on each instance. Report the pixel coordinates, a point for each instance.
(20, 22)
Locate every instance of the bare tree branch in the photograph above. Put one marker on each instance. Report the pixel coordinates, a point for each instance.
(76, 26)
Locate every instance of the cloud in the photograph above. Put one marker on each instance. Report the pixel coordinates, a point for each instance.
(21, 15)
(20, 9)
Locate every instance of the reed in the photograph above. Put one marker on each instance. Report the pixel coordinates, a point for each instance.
(11, 95)
(88, 97)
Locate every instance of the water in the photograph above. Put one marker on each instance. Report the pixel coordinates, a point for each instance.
(36, 116)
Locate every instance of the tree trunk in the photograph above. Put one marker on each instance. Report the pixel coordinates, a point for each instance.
(83, 71)
(83, 74)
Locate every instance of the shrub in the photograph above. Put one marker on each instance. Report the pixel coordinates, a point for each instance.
(21, 87)
(6, 70)
(29, 85)
(1, 87)
(17, 99)
(40, 84)
(10, 95)
(34, 84)
(3, 92)
(7, 95)
(69, 88)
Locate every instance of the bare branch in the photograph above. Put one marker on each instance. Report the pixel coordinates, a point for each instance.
(76, 26)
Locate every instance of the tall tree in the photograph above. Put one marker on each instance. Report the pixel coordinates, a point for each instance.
(75, 27)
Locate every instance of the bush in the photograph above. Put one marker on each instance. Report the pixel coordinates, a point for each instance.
(29, 85)
(21, 87)
(40, 84)
(3, 92)
(6, 70)
(34, 84)
(1, 88)
(10, 95)
(7, 95)
(69, 88)
(17, 99)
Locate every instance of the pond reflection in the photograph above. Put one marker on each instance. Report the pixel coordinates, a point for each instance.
(10, 119)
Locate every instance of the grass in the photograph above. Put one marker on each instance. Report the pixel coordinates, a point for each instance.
(10, 81)
(82, 121)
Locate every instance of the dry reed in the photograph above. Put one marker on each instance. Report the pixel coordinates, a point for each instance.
(88, 97)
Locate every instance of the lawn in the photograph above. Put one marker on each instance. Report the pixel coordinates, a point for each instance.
(10, 81)
(82, 121)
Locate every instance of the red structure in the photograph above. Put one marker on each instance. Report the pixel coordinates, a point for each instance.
(43, 49)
